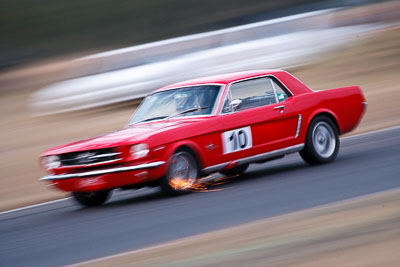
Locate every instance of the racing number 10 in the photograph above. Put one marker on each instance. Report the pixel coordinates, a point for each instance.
(238, 139)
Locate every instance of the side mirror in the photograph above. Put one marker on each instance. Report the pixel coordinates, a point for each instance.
(235, 104)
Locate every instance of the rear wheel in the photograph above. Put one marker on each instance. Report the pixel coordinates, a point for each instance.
(91, 199)
(322, 141)
(182, 174)
(238, 170)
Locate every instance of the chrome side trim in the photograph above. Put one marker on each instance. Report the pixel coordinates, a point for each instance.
(298, 126)
(100, 172)
(255, 158)
(215, 168)
(272, 154)
(159, 148)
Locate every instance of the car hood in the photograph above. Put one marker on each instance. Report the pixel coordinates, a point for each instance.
(130, 135)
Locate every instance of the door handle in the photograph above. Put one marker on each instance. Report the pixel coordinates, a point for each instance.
(281, 107)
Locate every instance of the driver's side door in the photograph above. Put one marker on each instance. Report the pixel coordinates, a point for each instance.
(254, 118)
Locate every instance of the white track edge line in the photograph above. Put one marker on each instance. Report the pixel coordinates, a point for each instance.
(373, 132)
(184, 239)
(63, 199)
(35, 205)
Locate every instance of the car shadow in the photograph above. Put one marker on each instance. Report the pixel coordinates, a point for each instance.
(149, 195)
(267, 172)
(264, 171)
(270, 171)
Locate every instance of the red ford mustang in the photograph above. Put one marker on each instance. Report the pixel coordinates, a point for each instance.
(215, 124)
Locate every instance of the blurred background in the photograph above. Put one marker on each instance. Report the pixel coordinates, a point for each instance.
(74, 69)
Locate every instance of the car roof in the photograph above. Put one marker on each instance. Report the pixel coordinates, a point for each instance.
(222, 78)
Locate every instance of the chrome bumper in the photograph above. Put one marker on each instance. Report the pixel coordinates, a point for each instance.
(100, 172)
(365, 105)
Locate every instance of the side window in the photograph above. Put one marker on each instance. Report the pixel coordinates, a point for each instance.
(281, 93)
(254, 93)
(227, 108)
(250, 94)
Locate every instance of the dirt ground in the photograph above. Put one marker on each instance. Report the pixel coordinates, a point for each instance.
(360, 232)
(373, 63)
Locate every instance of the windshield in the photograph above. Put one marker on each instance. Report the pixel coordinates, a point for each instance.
(187, 101)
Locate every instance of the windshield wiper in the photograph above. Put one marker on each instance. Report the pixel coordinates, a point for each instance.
(186, 111)
(152, 119)
(172, 116)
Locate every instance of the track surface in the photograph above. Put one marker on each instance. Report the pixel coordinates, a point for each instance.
(63, 233)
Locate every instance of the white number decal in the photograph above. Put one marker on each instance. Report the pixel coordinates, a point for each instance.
(238, 139)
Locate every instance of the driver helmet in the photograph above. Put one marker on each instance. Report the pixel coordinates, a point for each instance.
(181, 101)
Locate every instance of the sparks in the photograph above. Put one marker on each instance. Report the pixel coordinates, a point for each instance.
(202, 184)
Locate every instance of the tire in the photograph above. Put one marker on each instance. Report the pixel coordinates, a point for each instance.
(182, 173)
(91, 199)
(238, 170)
(322, 141)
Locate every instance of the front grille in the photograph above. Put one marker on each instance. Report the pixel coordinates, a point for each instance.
(90, 157)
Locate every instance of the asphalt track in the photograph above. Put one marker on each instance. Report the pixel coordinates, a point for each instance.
(64, 233)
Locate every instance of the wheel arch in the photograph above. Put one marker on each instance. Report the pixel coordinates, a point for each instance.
(189, 147)
(325, 113)
(312, 155)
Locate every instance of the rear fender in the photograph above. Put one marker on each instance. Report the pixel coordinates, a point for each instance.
(330, 114)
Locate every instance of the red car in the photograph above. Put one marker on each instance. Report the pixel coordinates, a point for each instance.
(215, 124)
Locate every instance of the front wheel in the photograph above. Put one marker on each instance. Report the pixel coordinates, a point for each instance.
(322, 141)
(90, 199)
(182, 174)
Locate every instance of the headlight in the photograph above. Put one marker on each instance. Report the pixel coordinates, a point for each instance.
(139, 151)
(51, 162)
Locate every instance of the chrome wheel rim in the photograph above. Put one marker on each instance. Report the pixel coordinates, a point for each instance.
(183, 170)
(323, 139)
